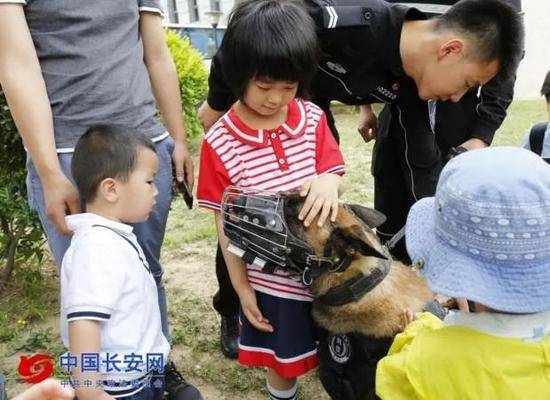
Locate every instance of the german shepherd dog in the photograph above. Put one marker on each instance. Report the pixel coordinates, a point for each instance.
(379, 312)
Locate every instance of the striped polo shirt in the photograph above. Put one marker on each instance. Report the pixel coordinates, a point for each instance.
(280, 159)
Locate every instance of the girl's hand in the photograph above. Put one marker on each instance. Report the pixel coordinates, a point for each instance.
(251, 310)
(322, 197)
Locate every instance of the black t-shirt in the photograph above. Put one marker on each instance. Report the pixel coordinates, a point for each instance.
(361, 60)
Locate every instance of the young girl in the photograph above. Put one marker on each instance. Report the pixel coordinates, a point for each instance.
(271, 140)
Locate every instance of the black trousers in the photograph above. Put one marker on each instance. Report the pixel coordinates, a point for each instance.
(409, 154)
(226, 301)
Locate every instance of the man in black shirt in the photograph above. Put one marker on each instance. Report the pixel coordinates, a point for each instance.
(414, 139)
(376, 52)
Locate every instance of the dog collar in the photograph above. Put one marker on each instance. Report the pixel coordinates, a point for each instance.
(356, 287)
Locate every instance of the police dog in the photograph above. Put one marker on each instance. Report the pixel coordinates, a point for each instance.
(379, 313)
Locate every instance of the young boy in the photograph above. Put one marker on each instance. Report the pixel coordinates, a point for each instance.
(109, 302)
(537, 138)
(485, 237)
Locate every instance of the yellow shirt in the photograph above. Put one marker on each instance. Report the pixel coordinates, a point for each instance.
(467, 357)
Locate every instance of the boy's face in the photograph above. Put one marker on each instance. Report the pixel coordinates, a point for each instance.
(136, 196)
(266, 97)
(448, 75)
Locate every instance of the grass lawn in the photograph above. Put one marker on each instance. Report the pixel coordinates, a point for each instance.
(29, 310)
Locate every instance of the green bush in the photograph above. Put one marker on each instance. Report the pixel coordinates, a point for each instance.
(21, 236)
(193, 79)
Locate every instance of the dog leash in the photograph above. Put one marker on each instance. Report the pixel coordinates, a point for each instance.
(390, 244)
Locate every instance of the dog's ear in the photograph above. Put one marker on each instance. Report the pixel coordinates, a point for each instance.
(369, 216)
(360, 239)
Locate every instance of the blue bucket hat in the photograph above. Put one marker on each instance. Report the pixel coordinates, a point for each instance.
(485, 236)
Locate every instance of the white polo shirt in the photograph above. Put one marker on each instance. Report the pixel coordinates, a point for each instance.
(105, 277)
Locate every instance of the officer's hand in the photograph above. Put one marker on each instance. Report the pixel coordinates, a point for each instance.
(208, 116)
(368, 123)
(47, 390)
(252, 311)
(474, 144)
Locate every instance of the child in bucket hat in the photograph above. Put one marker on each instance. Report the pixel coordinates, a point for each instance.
(485, 236)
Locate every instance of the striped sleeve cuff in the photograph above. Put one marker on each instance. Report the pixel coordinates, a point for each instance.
(210, 205)
(150, 6)
(152, 10)
(337, 169)
(94, 313)
(88, 315)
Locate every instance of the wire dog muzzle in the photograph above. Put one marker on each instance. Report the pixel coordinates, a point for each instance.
(256, 225)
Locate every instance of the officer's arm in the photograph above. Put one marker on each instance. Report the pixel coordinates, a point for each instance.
(495, 97)
(220, 97)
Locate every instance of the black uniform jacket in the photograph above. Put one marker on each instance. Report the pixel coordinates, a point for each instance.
(361, 61)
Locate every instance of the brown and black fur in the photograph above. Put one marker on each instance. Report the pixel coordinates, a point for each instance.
(380, 312)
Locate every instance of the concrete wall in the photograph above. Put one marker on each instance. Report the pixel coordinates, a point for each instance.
(537, 57)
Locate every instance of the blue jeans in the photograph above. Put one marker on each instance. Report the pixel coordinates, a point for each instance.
(3, 394)
(150, 233)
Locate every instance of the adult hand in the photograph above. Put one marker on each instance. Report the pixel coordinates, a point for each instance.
(208, 116)
(252, 311)
(49, 389)
(367, 123)
(473, 144)
(183, 163)
(61, 198)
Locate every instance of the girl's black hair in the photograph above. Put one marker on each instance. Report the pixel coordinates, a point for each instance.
(270, 39)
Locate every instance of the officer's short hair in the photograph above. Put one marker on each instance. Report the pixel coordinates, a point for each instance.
(495, 27)
(105, 152)
(272, 39)
(545, 89)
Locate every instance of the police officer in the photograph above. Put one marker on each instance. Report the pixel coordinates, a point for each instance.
(415, 138)
(373, 51)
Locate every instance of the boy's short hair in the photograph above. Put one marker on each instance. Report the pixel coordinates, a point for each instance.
(496, 29)
(545, 89)
(105, 151)
(272, 39)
